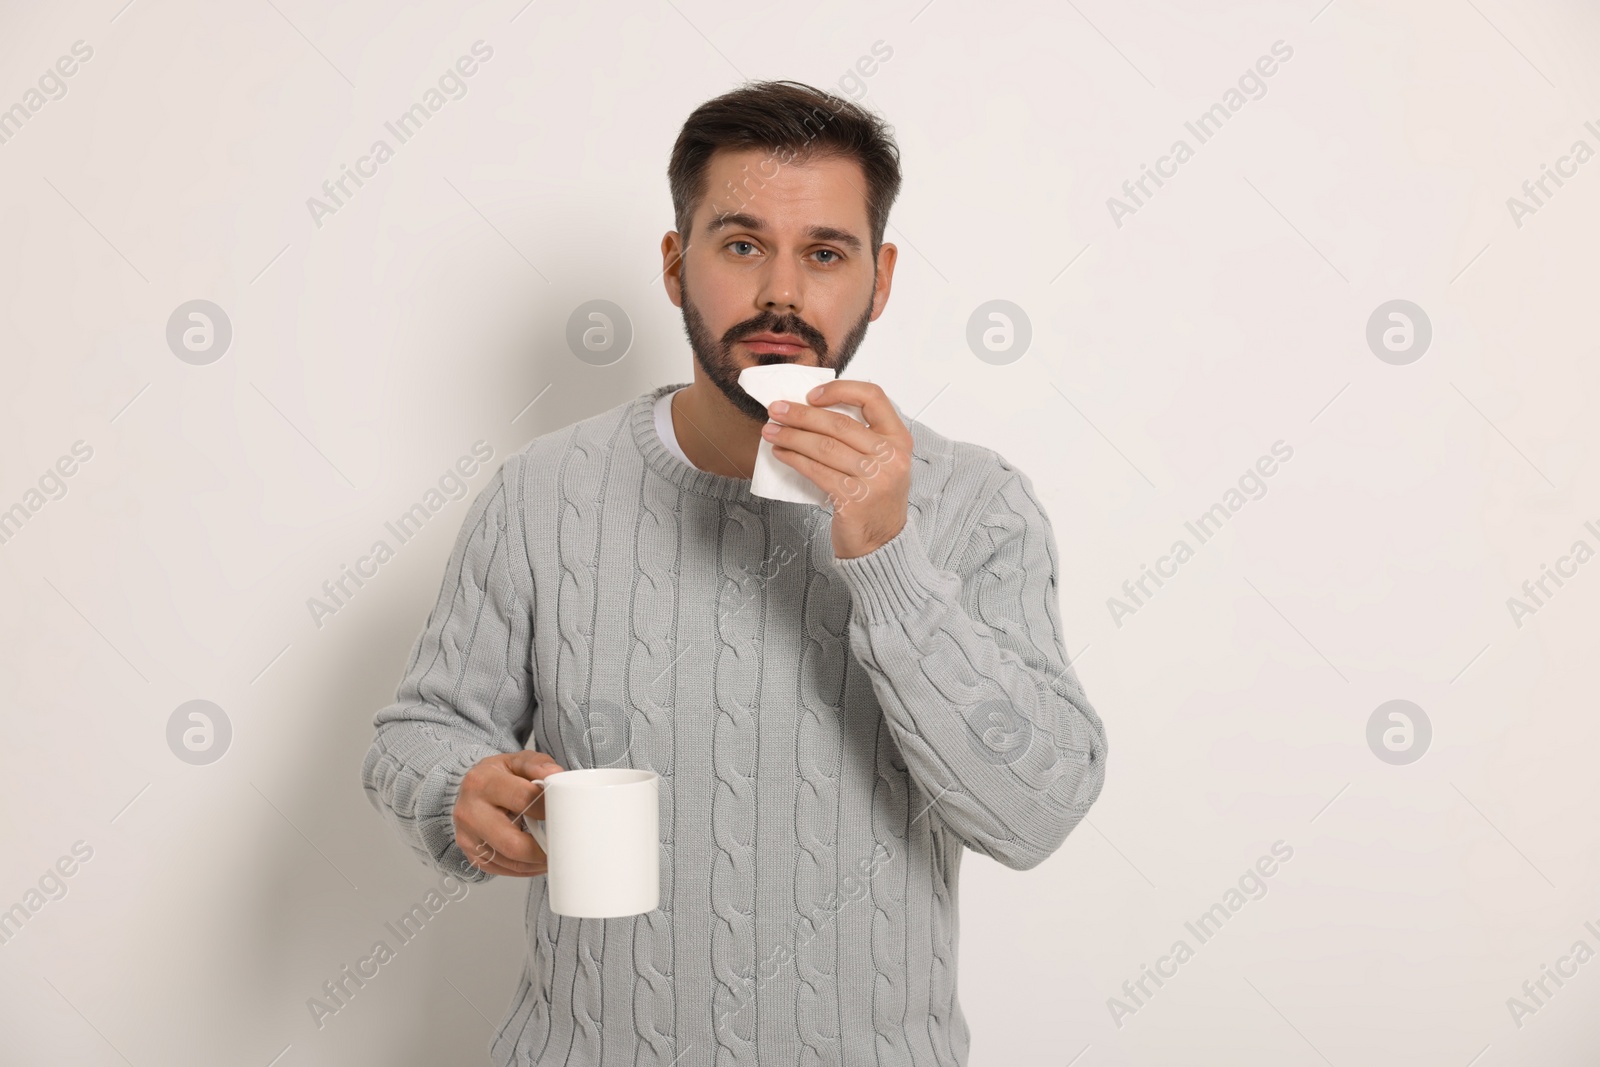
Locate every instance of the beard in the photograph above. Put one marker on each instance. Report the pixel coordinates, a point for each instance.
(717, 360)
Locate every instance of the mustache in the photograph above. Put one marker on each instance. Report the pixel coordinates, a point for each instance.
(786, 324)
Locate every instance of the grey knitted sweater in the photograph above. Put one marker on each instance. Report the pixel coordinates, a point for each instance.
(831, 736)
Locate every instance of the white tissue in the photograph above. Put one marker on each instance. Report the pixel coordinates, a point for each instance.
(774, 478)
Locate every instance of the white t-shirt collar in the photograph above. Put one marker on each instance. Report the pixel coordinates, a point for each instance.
(664, 430)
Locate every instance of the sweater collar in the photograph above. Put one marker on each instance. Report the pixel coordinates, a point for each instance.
(642, 421)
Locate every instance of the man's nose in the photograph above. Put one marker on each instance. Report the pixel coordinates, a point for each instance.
(781, 285)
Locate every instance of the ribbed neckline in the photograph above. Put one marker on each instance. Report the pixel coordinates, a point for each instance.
(642, 420)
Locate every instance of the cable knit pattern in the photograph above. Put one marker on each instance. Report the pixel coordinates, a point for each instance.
(946, 1027)
(831, 735)
(736, 678)
(584, 470)
(652, 679)
(890, 945)
(819, 757)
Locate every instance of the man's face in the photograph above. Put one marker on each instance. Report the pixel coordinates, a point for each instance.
(777, 248)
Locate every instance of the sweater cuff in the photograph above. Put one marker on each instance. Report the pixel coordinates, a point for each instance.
(895, 579)
(438, 795)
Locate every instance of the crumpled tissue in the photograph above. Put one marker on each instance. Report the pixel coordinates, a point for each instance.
(774, 478)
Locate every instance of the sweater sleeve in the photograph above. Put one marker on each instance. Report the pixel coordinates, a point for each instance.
(468, 690)
(971, 672)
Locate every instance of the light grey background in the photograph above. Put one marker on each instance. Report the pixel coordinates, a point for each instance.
(1168, 353)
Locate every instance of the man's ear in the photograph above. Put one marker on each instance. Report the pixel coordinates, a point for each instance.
(883, 279)
(672, 266)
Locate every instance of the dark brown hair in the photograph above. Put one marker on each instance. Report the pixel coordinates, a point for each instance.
(795, 122)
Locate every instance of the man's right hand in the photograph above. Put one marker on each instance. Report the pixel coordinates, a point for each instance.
(495, 794)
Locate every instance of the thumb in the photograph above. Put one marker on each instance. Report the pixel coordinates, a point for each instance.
(533, 765)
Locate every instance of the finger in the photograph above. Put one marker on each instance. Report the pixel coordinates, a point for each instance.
(485, 857)
(531, 764)
(820, 420)
(824, 477)
(885, 462)
(494, 814)
(529, 771)
(870, 398)
(514, 794)
(828, 451)
(496, 835)
(478, 849)
(495, 868)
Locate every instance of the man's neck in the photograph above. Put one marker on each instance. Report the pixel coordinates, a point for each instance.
(715, 435)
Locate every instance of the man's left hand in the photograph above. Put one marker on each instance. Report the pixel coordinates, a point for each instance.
(865, 470)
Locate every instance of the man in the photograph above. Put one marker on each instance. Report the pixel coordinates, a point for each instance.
(839, 699)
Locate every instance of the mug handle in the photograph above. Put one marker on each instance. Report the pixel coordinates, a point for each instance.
(536, 826)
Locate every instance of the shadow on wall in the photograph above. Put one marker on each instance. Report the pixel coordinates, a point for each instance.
(309, 926)
(437, 993)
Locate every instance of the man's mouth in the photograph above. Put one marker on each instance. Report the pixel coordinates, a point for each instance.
(775, 344)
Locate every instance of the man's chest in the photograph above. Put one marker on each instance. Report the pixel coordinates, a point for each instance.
(684, 630)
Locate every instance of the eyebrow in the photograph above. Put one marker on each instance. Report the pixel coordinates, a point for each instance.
(749, 222)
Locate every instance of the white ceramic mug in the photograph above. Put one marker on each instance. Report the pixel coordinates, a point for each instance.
(601, 832)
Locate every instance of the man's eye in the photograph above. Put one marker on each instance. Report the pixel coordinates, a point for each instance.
(828, 252)
(733, 243)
